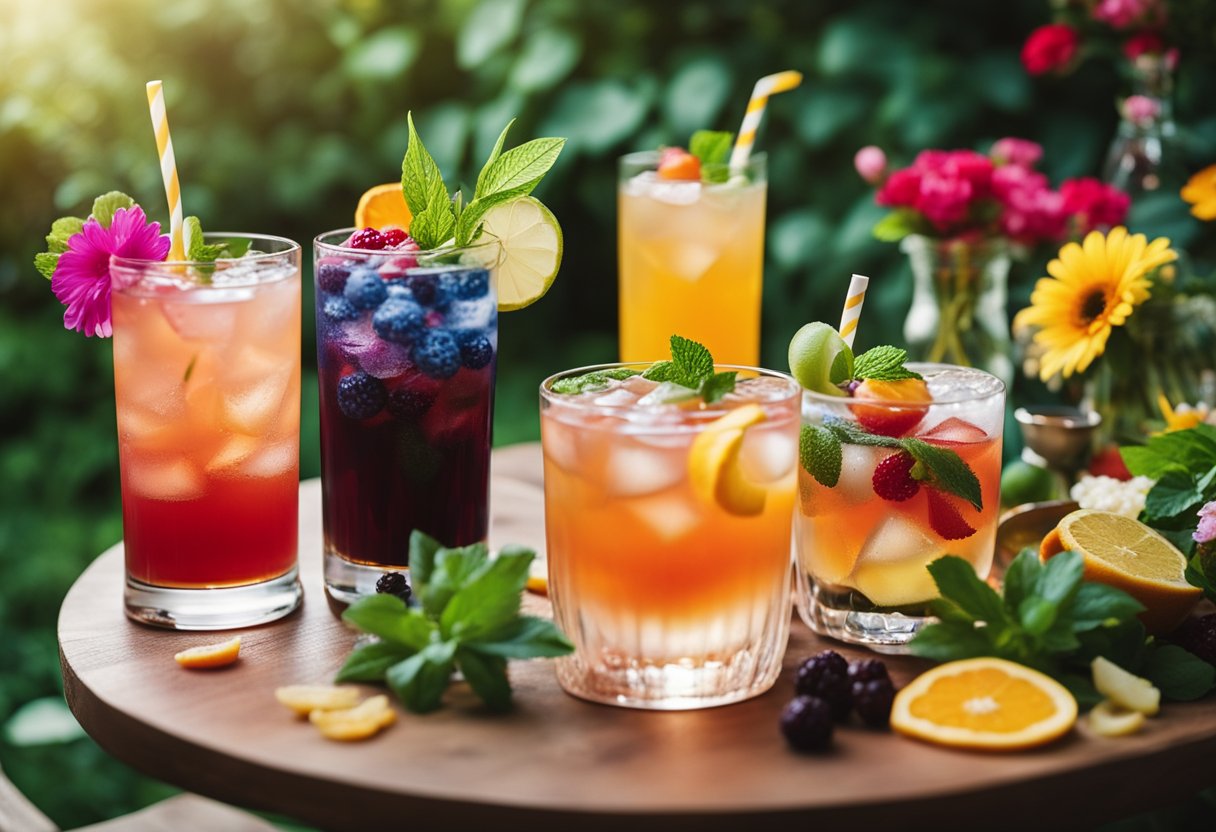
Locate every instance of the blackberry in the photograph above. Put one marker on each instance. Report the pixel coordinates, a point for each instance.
(872, 700)
(867, 670)
(409, 403)
(437, 354)
(331, 277)
(472, 284)
(339, 309)
(399, 320)
(361, 396)
(806, 723)
(429, 288)
(825, 675)
(365, 290)
(476, 351)
(394, 583)
(1198, 636)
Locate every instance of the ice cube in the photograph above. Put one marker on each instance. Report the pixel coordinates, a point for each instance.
(172, 481)
(618, 397)
(145, 429)
(669, 516)
(355, 338)
(673, 192)
(385, 359)
(213, 322)
(471, 314)
(639, 386)
(688, 260)
(560, 443)
(954, 431)
(891, 569)
(632, 470)
(272, 461)
(767, 455)
(233, 452)
(857, 466)
(259, 394)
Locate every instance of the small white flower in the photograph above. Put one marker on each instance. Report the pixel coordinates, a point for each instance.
(1109, 494)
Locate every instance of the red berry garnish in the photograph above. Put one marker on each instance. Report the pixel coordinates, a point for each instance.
(945, 519)
(394, 237)
(678, 163)
(893, 478)
(1108, 462)
(368, 238)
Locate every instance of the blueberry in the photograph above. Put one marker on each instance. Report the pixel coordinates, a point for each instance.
(339, 309)
(873, 699)
(826, 675)
(472, 284)
(361, 396)
(476, 351)
(331, 277)
(806, 723)
(428, 288)
(399, 320)
(437, 354)
(398, 290)
(365, 290)
(409, 403)
(394, 583)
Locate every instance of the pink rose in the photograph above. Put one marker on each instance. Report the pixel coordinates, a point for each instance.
(1206, 533)
(1141, 109)
(900, 190)
(1120, 14)
(871, 164)
(1033, 215)
(1021, 152)
(1050, 48)
(1010, 178)
(944, 200)
(975, 168)
(1094, 204)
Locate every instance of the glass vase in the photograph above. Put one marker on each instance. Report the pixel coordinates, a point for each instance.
(958, 313)
(1139, 159)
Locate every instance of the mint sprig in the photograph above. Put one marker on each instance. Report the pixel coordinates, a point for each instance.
(884, 363)
(712, 147)
(63, 228)
(466, 618)
(439, 216)
(688, 375)
(591, 382)
(1049, 618)
(200, 251)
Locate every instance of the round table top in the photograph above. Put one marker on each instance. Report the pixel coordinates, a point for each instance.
(556, 762)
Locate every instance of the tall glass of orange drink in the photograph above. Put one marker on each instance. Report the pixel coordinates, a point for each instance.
(207, 388)
(668, 526)
(691, 260)
(899, 500)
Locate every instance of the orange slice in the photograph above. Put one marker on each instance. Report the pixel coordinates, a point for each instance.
(210, 655)
(302, 700)
(713, 463)
(383, 207)
(1126, 554)
(358, 723)
(987, 703)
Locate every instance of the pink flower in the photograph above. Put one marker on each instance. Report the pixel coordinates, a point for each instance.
(1050, 48)
(1206, 533)
(1143, 43)
(944, 199)
(1141, 109)
(871, 164)
(900, 189)
(1121, 14)
(1021, 152)
(82, 276)
(1094, 204)
(1031, 211)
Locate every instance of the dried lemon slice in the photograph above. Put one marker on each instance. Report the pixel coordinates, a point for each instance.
(358, 723)
(210, 655)
(304, 699)
(713, 463)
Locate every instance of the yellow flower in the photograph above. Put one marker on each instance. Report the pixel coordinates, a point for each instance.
(1093, 287)
(1184, 417)
(1200, 191)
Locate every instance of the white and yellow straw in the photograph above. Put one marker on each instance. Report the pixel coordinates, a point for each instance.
(766, 86)
(852, 308)
(168, 168)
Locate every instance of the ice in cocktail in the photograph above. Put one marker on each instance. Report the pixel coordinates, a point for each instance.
(668, 528)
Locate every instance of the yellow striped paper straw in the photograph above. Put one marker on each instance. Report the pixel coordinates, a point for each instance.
(168, 168)
(766, 86)
(852, 308)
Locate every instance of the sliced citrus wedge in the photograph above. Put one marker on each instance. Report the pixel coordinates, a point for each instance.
(210, 655)
(1126, 554)
(713, 463)
(984, 703)
(383, 207)
(1110, 720)
(532, 251)
(304, 699)
(357, 723)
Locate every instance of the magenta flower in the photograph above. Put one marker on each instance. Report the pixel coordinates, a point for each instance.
(1094, 204)
(871, 164)
(1021, 152)
(82, 276)
(1121, 14)
(1141, 109)
(1206, 533)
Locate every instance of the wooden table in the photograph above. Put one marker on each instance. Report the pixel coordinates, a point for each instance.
(557, 762)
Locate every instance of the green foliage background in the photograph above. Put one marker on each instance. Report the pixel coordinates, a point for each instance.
(284, 111)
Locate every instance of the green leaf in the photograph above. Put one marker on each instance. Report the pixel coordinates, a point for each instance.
(957, 581)
(435, 224)
(419, 175)
(420, 680)
(946, 642)
(516, 172)
(850, 434)
(489, 27)
(693, 362)
(495, 152)
(898, 224)
(370, 662)
(200, 251)
(106, 204)
(661, 371)
(711, 147)
(944, 469)
(1142, 461)
(388, 617)
(717, 386)
(1022, 577)
(1096, 604)
(45, 721)
(45, 263)
(62, 230)
(1060, 577)
(1038, 615)
(842, 367)
(527, 637)
(1178, 673)
(1174, 494)
(454, 568)
(590, 382)
(489, 601)
(883, 364)
(1196, 575)
(487, 676)
(821, 454)
(423, 549)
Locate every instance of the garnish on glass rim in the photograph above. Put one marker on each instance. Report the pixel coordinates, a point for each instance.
(688, 375)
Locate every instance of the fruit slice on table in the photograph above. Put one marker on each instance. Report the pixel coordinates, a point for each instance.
(1109, 720)
(210, 655)
(304, 699)
(905, 403)
(538, 576)
(356, 723)
(1127, 690)
(820, 359)
(383, 207)
(1126, 554)
(985, 703)
(714, 468)
(532, 251)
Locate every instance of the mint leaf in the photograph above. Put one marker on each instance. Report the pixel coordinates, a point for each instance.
(956, 580)
(590, 382)
(717, 386)
(527, 637)
(1061, 576)
(899, 224)
(1143, 461)
(45, 263)
(1174, 494)
(1022, 577)
(516, 172)
(480, 190)
(454, 568)
(945, 642)
(487, 676)
(420, 680)
(419, 175)
(821, 454)
(1197, 576)
(850, 434)
(1095, 605)
(370, 662)
(62, 230)
(715, 173)
(435, 225)
(661, 371)
(488, 601)
(423, 550)
(944, 469)
(883, 364)
(693, 362)
(200, 251)
(387, 616)
(711, 147)
(1178, 673)
(106, 204)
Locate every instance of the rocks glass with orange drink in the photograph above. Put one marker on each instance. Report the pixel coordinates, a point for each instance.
(894, 473)
(207, 388)
(668, 527)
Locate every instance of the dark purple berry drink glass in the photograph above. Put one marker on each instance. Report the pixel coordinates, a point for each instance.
(406, 349)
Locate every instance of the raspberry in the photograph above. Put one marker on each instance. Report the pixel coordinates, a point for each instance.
(368, 238)
(867, 670)
(893, 478)
(394, 583)
(825, 675)
(361, 396)
(806, 723)
(945, 519)
(1198, 636)
(873, 700)
(394, 237)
